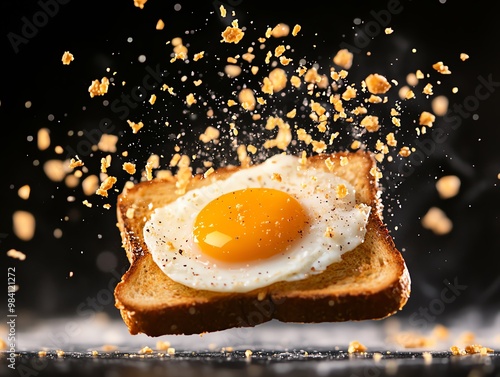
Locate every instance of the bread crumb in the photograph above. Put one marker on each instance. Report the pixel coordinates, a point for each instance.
(377, 84)
(16, 254)
(343, 58)
(106, 206)
(43, 139)
(24, 192)
(440, 332)
(90, 184)
(67, 58)
(42, 353)
(436, 220)
(106, 185)
(370, 123)
(140, 3)
(232, 34)
(160, 24)
(248, 353)
(341, 191)
(171, 351)
(23, 225)
(190, 99)
(211, 133)
(99, 88)
(412, 339)
(428, 89)
(60, 353)
(109, 347)
(440, 105)
(152, 99)
(464, 56)
(145, 350)
(448, 186)
(441, 68)
(377, 356)
(404, 151)
(135, 126)
(74, 163)
(210, 171)
(86, 203)
(162, 345)
(427, 356)
(296, 30)
(329, 232)
(356, 347)
(94, 353)
(222, 11)
(426, 119)
(107, 143)
(129, 167)
(246, 99)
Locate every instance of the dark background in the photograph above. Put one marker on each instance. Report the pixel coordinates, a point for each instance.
(96, 33)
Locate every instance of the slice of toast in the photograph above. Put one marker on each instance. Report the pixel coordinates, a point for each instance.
(370, 282)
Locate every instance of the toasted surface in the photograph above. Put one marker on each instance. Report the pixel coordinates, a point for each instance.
(370, 282)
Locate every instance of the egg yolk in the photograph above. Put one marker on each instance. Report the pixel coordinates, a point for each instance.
(249, 224)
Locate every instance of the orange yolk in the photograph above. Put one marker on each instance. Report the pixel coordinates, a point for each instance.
(248, 225)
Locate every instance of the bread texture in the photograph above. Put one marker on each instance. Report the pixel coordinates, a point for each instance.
(370, 282)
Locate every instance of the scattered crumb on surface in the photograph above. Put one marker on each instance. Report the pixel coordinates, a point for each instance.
(356, 347)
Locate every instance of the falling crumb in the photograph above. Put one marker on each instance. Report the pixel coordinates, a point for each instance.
(107, 143)
(426, 119)
(106, 206)
(232, 34)
(86, 203)
(106, 185)
(145, 350)
(16, 254)
(160, 24)
(371, 123)
(356, 347)
(377, 84)
(43, 139)
(448, 186)
(162, 345)
(190, 99)
(296, 30)
(152, 99)
(427, 356)
(412, 339)
(404, 151)
(67, 58)
(90, 184)
(440, 105)
(428, 89)
(129, 167)
(436, 220)
(75, 162)
(140, 3)
(464, 56)
(281, 30)
(441, 68)
(222, 11)
(388, 30)
(24, 192)
(23, 225)
(211, 133)
(99, 88)
(135, 126)
(343, 58)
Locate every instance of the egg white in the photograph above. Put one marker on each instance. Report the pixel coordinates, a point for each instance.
(168, 233)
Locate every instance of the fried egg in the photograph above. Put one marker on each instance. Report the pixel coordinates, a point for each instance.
(271, 222)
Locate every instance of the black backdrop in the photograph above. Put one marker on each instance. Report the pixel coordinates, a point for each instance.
(35, 34)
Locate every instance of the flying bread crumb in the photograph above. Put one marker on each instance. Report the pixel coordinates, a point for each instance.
(440, 105)
(23, 225)
(67, 58)
(24, 192)
(377, 84)
(448, 186)
(211, 133)
(370, 123)
(426, 119)
(436, 220)
(106, 185)
(441, 68)
(246, 99)
(222, 11)
(190, 99)
(86, 203)
(296, 30)
(198, 56)
(135, 126)
(74, 163)
(99, 88)
(388, 30)
(145, 350)
(162, 345)
(160, 24)
(105, 163)
(343, 58)
(107, 143)
(152, 99)
(106, 206)
(16, 254)
(90, 184)
(404, 151)
(43, 139)
(410, 94)
(232, 34)
(280, 30)
(464, 56)
(356, 347)
(129, 167)
(140, 3)
(412, 339)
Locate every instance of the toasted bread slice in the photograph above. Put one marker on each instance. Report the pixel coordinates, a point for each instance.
(370, 282)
